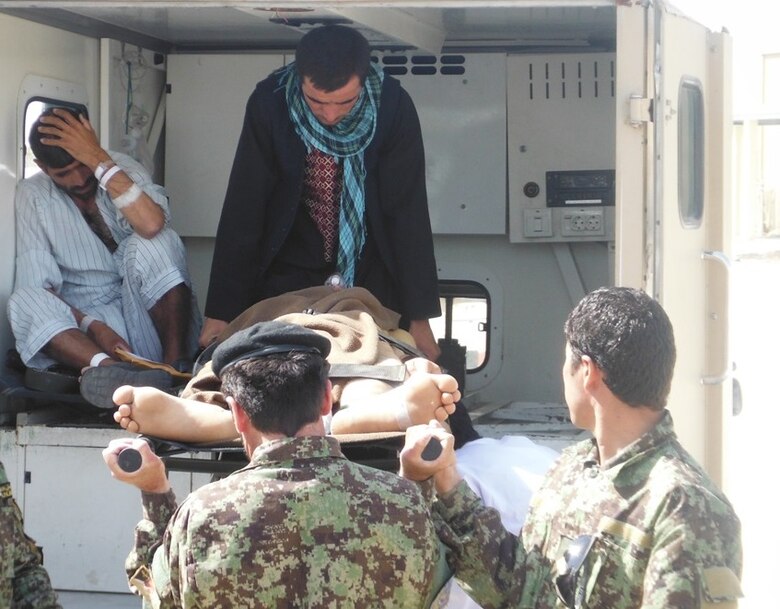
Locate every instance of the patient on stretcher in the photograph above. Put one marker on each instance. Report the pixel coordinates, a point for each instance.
(366, 405)
(362, 345)
(361, 333)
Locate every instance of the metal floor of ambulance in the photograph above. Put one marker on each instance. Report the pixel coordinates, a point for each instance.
(546, 424)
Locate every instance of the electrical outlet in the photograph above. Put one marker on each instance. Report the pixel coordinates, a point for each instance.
(582, 222)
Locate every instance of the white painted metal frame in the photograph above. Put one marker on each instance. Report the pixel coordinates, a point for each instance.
(42, 86)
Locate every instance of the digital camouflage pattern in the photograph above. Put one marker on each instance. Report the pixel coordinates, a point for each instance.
(24, 583)
(665, 536)
(300, 526)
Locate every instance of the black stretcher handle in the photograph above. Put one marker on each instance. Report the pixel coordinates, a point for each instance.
(129, 460)
(432, 450)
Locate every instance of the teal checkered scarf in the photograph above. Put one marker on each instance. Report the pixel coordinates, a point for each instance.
(347, 141)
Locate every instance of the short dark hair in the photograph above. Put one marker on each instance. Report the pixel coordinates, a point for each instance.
(629, 337)
(281, 392)
(53, 157)
(332, 54)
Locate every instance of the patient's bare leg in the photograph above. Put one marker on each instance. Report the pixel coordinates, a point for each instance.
(370, 406)
(367, 405)
(153, 412)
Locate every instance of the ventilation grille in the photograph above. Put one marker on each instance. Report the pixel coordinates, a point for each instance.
(571, 79)
(422, 65)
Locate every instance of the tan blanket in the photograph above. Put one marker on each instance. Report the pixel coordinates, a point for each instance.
(319, 299)
(351, 318)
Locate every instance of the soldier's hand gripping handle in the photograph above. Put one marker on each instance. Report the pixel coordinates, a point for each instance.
(133, 461)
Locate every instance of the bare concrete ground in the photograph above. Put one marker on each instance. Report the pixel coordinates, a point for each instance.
(96, 600)
(754, 442)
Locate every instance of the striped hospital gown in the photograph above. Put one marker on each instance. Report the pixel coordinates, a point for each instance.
(56, 251)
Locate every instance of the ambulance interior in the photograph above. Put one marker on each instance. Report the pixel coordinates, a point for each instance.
(517, 102)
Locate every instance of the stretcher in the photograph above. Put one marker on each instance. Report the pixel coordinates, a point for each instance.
(49, 405)
(377, 450)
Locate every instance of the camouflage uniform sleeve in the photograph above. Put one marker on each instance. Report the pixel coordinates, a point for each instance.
(157, 511)
(428, 491)
(481, 552)
(24, 583)
(696, 560)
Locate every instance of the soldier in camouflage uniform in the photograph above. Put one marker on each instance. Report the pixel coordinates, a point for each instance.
(627, 519)
(24, 583)
(299, 526)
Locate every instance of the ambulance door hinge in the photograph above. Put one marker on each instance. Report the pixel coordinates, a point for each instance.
(640, 110)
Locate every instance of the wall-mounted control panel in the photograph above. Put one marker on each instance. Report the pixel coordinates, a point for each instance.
(561, 147)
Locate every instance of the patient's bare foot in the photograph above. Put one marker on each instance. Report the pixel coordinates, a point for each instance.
(428, 396)
(422, 397)
(155, 413)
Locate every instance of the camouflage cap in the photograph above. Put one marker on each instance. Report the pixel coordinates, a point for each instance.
(266, 338)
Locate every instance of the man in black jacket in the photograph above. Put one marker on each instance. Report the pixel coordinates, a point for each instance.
(328, 184)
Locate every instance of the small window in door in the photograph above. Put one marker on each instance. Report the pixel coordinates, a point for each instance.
(690, 153)
(34, 108)
(465, 316)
